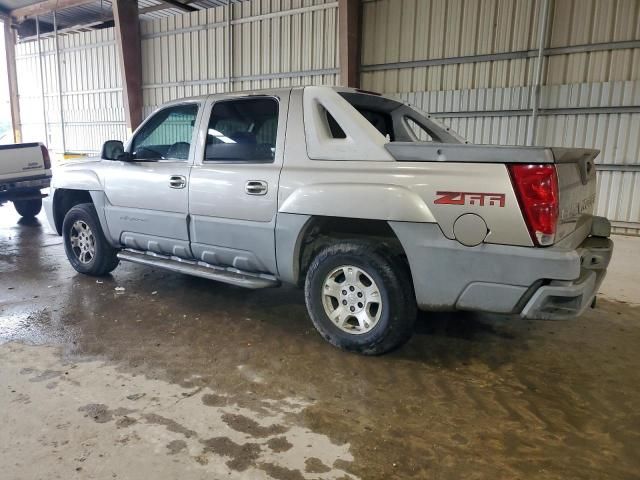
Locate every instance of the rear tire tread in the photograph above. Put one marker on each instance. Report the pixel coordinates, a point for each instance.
(28, 208)
(395, 279)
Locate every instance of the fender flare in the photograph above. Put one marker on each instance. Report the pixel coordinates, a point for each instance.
(86, 180)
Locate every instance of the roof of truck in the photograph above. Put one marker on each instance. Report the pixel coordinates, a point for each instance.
(264, 91)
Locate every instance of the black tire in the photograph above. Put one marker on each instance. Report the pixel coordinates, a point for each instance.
(28, 208)
(105, 258)
(397, 318)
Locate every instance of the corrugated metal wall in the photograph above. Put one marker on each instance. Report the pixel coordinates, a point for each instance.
(90, 93)
(472, 64)
(272, 44)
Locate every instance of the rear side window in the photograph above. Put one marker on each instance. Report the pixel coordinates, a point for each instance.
(381, 120)
(242, 130)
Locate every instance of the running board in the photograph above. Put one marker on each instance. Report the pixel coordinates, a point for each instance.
(199, 269)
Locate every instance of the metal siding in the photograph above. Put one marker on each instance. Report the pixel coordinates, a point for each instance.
(410, 30)
(90, 91)
(580, 22)
(427, 30)
(616, 135)
(274, 44)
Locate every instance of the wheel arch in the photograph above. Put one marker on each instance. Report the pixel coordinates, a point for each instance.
(300, 237)
(64, 199)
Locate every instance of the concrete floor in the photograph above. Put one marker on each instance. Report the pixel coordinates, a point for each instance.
(177, 377)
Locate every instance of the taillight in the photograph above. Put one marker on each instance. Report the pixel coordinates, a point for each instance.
(45, 157)
(536, 187)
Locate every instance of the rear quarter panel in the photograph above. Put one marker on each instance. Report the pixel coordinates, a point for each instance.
(394, 191)
(406, 192)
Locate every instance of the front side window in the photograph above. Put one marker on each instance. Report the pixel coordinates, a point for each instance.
(167, 135)
(243, 130)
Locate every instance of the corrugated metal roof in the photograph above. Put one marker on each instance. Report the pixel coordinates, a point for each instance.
(99, 14)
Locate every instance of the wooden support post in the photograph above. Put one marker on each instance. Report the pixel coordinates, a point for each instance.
(350, 37)
(10, 48)
(125, 13)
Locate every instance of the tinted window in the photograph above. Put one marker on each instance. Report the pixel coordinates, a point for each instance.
(243, 130)
(381, 120)
(167, 135)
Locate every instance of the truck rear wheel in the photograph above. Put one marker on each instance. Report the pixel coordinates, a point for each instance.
(28, 208)
(360, 298)
(86, 247)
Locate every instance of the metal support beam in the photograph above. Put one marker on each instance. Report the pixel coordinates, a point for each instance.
(350, 26)
(12, 80)
(41, 70)
(543, 33)
(59, 73)
(180, 5)
(45, 7)
(125, 13)
(161, 6)
(229, 52)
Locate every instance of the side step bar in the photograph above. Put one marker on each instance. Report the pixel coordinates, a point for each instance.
(199, 269)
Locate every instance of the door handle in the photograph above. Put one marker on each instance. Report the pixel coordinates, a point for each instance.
(177, 181)
(256, 187)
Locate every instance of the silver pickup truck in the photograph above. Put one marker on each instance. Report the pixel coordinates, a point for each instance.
(372, 206)
(25, 169)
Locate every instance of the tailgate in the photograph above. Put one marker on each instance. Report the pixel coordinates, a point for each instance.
(21, 160)
(576, 171)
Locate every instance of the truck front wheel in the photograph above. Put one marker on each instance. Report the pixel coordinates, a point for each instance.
(28, 208)
(360, 298)
(86, 247)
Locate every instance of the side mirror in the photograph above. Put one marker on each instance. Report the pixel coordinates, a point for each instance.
(112, 149)
(125, 157)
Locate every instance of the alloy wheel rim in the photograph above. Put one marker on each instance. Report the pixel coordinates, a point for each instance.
(83, 242)
(352, 299)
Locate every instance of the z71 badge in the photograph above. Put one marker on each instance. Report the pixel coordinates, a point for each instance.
(470, 198)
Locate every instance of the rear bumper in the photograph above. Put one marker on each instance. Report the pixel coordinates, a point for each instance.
(550, 283)
(560, 299)
(26, 189)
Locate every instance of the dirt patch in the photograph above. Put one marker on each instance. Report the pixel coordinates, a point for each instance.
(243, 424)
(242, 456)
(171, 425)
(281, 473)
(176, 446)
(125, 422)
(315, 465)
(135, 396)
(279, 444)
(213, 400)
(101, 413)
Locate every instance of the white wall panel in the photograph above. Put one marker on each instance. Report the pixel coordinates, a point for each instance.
(90, 91)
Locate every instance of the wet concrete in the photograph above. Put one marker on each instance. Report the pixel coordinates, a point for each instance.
(177, 377)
